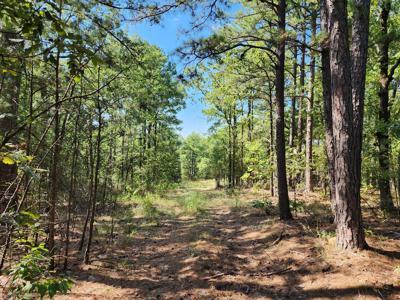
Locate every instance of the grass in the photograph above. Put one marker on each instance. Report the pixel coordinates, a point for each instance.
(194, 203)
(190, 198)
(148, 208)
(198, 184)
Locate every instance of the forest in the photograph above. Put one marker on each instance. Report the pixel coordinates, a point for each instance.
(110, 190)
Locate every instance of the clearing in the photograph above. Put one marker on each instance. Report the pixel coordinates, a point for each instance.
(200, 243)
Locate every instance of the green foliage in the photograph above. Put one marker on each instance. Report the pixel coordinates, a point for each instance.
(297, 205)
(30, 277)
(193, 204)
(194, 161)
(264, 205)
(259, 164)
(148, 208)
(325, 234)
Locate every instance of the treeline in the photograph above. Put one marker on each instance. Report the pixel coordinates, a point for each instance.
(87, 114)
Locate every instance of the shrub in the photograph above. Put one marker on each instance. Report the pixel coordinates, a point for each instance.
(297, 205)
(31, 279)
(148, 207)
(265, 205)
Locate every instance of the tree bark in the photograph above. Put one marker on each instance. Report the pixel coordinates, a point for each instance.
(327, 101)
(284, 209)
(359, 51)
(302, 92)
(310, 107)
(349, 230)
(54, 174)
(386, 201)
(292, 132)
(271, 140)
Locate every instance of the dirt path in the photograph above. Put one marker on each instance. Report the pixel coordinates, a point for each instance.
(237, 253)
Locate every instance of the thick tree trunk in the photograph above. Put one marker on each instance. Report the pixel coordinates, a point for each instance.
(310, 106)
(386, 201)
(284, 209)
(349, 230)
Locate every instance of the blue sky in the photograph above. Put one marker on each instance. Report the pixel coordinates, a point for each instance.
(168, 36)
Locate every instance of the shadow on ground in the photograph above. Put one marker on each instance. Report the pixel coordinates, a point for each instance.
(236, 254)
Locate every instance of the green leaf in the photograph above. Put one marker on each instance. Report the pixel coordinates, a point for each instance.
(77, 79)
(8, 160)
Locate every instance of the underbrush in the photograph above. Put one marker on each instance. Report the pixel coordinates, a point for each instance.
(30, 275)
(153, 206)
(192, 204)
(264, 205)
(148, 207)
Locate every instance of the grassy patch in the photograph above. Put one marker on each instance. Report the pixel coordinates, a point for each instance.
(193, 203)
(148, 208)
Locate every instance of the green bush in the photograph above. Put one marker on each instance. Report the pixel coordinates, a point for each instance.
(148, 207)
(30, 278)
(297, 205)
(265, 205)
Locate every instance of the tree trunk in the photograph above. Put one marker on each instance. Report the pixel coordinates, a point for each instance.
(292, 132)
(302, 92)
(54, 174)
(91, 175)
(349, 230)
(310, 107)
(72, 183)
(271, 141)
(96, 171)
(327, 100)
(284, 209)
(234, 154)
(359, 51)
(230, 159)
(386, 201)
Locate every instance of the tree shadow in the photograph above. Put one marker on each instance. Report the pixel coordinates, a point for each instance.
(387, 253)
(224, 252)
